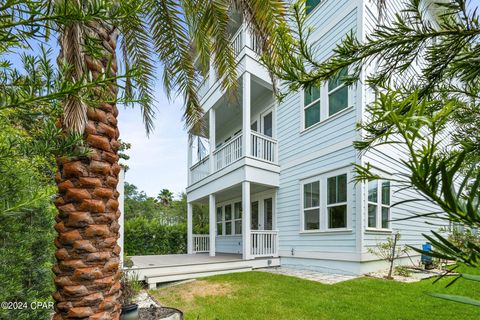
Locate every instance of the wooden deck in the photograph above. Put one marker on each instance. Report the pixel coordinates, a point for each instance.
(176, 267)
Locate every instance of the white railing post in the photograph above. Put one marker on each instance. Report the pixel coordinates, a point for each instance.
(212, 223)
(246, 126)
(189, 228)
(212, 138)
(246, 218)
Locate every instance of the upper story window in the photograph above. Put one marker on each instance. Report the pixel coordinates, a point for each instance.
(379, 204)
(312, 106)
(325, 203)
(325, 101)
(311, 4)
(337, 93)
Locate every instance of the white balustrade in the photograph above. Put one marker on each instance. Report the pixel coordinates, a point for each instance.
(264, 243)
(201, 243)
(228, 153)
(200, 170)
(264, 147)
(237, 41)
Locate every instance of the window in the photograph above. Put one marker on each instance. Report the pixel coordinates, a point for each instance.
(311, 106)
(268, 124)
(325, 203)
(337, 93)
(320, 103)
(311, 206)
(311, 4)
(337, 201)
(268, 214)
(238, 217)
(379, 204)
(228, 219)
(219, 221)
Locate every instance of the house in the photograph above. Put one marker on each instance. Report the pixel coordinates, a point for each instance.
(278, 176)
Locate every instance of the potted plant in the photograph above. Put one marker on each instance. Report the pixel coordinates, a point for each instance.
(130, 289)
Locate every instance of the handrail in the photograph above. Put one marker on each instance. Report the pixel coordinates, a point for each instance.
(264, 231)
(227, 144)
(263, 136)
(239, 31)
(199, 162)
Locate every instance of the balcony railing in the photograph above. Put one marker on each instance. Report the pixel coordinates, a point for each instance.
(201, 243)
(264, 243)
(263, 148)
(241, 39)
(201, 169)
(228, 153)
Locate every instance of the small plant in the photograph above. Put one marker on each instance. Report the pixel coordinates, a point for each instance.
(130, 287)
(127, 262)
(389, 251)
(403, 271)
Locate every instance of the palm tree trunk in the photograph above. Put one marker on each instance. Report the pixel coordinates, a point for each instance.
(87, 269)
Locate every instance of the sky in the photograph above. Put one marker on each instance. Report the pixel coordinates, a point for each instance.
(159, 160)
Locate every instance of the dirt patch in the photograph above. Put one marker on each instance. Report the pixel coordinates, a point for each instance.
(188, 292)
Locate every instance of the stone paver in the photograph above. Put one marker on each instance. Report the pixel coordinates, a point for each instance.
(322, 277)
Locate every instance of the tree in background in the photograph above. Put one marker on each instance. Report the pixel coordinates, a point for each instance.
(439, 42)
(165, 197)
(147, 219)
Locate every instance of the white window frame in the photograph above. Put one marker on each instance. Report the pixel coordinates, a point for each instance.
(327, 216)
(322, 178)
(312, 208)
(330, 92)
(222, 221)
(225, 221)
(305, 107)
(324, 105)
(234, 229)
(379, 205)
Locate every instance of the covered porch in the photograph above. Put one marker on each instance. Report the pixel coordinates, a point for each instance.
(242, 221)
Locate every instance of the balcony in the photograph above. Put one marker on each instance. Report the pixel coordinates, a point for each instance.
(243, 43)
(262, 148)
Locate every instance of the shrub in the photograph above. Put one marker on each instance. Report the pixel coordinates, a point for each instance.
(150, 237)
(403, 271)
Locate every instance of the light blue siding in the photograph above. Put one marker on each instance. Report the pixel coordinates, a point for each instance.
(296, 147)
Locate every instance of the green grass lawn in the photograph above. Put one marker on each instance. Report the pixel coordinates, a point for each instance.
(260, 295)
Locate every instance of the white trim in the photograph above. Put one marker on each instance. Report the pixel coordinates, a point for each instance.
(379, 206)
(323, 206)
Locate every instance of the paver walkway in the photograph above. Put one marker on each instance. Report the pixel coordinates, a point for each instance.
(322, 277)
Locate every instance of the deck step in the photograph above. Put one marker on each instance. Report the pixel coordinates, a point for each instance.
(153, 280)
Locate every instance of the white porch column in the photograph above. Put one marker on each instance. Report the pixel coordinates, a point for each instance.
(189, 160)
(189, 228)
(246, 122)
(246, 218)
(212, 138)
(212, 223)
